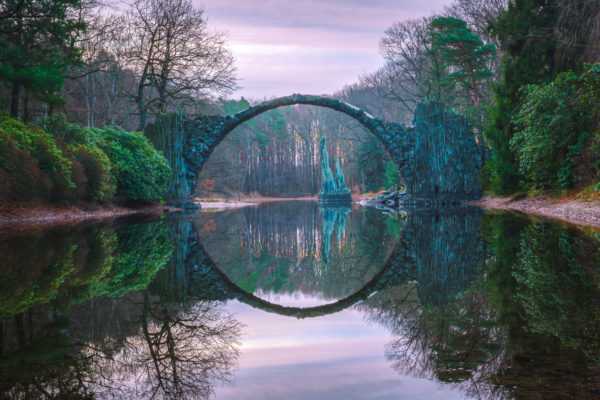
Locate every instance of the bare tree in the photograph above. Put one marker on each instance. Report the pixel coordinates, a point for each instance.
(411, 73)
(97, 91)
(177, 353)
(176, 57)
(578, 32)
(478, 14)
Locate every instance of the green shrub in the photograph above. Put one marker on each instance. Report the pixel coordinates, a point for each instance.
(68, 162)
(554, 125)
(391, 176)
(100, 185)
(21, 178)
(58, 126)
(37, 168)
(140, 171)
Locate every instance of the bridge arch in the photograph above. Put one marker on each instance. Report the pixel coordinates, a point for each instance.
(376, 126)
(439, 159)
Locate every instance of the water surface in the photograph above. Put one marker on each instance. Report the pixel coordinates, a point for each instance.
(293, 301)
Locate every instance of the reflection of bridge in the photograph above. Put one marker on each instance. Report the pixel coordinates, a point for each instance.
(438, 158)
(220, 287)
(439, 250)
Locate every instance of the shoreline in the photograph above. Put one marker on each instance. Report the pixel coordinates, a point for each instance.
(570, 210)
(16, 216)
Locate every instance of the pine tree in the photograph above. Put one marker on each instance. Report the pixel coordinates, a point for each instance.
(463, 53)
(37, 45)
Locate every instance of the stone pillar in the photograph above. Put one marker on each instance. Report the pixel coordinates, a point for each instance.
(168, 135)
(446, 159)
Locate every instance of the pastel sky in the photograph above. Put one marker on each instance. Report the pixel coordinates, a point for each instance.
(339, 356)
(307, 46)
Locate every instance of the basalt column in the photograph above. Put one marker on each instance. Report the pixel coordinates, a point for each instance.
(333, 189)
(446, 158)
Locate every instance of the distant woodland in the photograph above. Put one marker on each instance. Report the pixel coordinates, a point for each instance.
(522, 71)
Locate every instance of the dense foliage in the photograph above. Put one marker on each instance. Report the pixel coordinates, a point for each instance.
(37, 46)
(32, 166)
(524, 30)
(140, 171)
(59, 162)
(554, 126)
(540, 39)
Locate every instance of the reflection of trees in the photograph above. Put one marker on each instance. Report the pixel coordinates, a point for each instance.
(169, 353)
(57, 343)
(176, 354)
(68, 266)
(443, 325)
(43, 367)
(527, 317)
(278, 248)
(543, 278)
(457, 342)
(558, 285)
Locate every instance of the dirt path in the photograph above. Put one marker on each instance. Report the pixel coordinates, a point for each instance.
(570, 210)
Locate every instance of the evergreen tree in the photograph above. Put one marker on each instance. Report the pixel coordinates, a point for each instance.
(37, 45)
(464, 54)
(525, 34)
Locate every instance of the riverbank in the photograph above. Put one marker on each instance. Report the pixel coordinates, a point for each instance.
(569, 209)
(17, 216)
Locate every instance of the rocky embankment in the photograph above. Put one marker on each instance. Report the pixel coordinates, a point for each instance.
(389, 201)
(572, 210)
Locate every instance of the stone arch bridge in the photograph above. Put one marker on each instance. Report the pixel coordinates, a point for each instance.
(438, 157)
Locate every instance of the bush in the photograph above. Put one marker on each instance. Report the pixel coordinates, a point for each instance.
(391, 176)
(68, 162)
(58, 126)
(100, 185)
(140, 171)
(554, 125)
(33, 164)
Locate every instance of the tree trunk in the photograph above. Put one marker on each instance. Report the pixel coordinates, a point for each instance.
(14, 100)
(245, 166)
(26, 114)
(142, 111)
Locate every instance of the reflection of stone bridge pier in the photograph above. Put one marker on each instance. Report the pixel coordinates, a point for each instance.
(438, 249)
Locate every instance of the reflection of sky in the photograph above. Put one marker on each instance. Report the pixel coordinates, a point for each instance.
(337, 356)
(308, 46)
(295, 299)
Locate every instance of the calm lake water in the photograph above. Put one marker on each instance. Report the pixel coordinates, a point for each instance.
(292, 301)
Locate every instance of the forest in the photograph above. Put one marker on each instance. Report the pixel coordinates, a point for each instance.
(80, 79)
